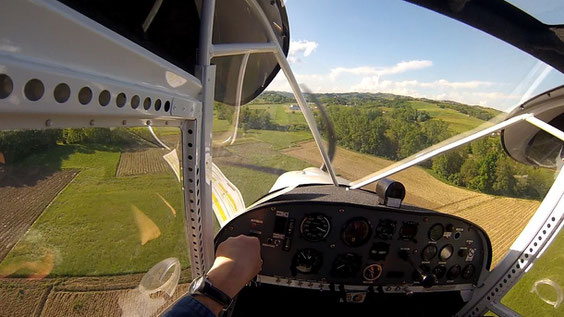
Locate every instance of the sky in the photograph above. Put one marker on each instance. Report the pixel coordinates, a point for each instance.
(392, 46)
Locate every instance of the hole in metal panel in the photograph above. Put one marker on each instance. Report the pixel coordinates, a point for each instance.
(6, 86)
(34, 90)
(104, 98)
(147, 103)
(85, 95)
(135, 102)
(167, 106)
(62, 93)
(158, 105)
(121, 100)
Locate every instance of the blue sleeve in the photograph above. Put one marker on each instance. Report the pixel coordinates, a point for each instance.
(189, 307)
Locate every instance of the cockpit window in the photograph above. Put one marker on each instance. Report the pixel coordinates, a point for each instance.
(85, 215)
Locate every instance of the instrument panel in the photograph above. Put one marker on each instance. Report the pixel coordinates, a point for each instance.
(324, 237)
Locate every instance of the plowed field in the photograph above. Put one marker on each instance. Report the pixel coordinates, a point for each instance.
(83, 296)
(25, 194)
(501, 217)
(142, 161)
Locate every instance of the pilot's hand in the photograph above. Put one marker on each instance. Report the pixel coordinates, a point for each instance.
(237, 261)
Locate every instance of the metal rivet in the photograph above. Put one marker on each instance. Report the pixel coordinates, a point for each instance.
(332, 245)
(272, 208)
(230, 228)
(48, 123)
(92, 122)
(341, 210)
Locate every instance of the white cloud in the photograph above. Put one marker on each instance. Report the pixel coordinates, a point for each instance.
(374, 84)
(399, 68)
(371, 79)
(301, 48)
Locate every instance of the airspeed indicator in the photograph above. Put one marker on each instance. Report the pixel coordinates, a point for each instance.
(315, 227)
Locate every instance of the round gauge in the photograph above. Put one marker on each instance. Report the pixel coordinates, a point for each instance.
(468, 271)
(453, 272)
(408, 231)
(315, 227)
(436, 232)
(307, 261)
(372, 272)
(356, 232)
(385, 229)
(346, 265)
(429, 252)
(446, 252)
(439, 271)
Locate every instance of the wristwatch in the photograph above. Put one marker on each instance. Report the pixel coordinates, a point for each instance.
(203, 286)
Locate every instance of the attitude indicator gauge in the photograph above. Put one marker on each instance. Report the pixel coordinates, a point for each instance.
(315, 227)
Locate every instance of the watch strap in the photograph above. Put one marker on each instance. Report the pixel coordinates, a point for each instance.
(207, 289)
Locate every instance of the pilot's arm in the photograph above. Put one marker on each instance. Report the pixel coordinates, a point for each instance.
(237, 262)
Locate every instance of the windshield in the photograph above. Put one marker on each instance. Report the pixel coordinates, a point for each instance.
(382, 88)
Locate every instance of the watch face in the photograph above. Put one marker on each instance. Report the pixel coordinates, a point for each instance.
(197, 285)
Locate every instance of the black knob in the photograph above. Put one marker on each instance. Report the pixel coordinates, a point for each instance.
(429, 280)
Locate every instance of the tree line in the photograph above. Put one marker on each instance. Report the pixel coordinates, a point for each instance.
(483, 165)
(393, 135)
(17, 145)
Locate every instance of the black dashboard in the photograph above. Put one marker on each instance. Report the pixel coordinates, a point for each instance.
(341, 241)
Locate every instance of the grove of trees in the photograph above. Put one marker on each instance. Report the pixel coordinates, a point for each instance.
(483, 165)
(395, 135)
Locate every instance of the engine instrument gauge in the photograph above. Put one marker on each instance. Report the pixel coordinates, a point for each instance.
(436, 232)
(356, 232)
(307, 261)
(315, 227)
(408, 230)
(446, 252)
(439, 271)
(346, 265)
(372, 272)
(429, 252)
(468, 271)
(453, 272)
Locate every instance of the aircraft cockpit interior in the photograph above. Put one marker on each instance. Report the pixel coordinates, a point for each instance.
(397, 158)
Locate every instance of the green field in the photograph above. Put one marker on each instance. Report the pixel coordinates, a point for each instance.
(91, 227)
(255, 161)
(549, 266)
(458, 122)
(281, 113)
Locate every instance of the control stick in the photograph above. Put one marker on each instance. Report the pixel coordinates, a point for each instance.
(427, 279)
